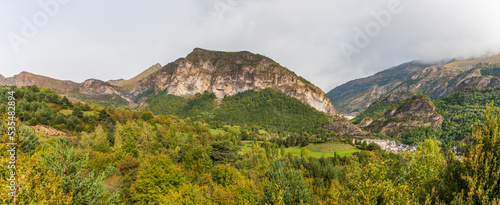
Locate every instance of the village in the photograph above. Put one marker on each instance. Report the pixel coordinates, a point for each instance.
(389, 145)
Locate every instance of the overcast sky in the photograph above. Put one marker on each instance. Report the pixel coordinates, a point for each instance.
(329, 42)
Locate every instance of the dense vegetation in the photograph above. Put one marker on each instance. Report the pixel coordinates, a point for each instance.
(492, 70)
(270, 109)
(267, 108)
(375, 110)
(133, 157)
(198, 107)
(462, 112)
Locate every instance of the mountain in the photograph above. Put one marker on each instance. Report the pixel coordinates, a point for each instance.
(221, 73)
(414, 112)
(357, 95)
(25, 78)
(229, 73)
(130, 83)
(432, 80)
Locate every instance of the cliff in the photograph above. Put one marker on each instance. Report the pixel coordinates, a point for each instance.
(229, 73)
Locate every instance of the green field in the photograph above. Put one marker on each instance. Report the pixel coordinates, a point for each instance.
(66, 112)
(315, 150)
(216, 132)
(263, 133)
(69, 112)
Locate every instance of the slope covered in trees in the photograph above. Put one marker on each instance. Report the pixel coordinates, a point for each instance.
(267, 108)
(462, 112)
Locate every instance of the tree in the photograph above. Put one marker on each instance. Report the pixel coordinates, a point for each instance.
(77, 112)
(172, 139)
(224, 151)
(304, 152)
(28, 139)
(100, 141)
(37, 183)
(119, 132)
(282, 150)
(86, 187)
(65, 102)
(285, 184)
(147, 115)
(60, 119)
(156, 177)
(230, 182)
(364, 145)
(482, 161)
(255, 160)
(374, 147)
(70, 124)
(126, 138)
(423, 168)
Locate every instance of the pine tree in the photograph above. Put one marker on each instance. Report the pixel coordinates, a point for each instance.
(77, 112)
(100, 141)
(285, 184)
(482, 161)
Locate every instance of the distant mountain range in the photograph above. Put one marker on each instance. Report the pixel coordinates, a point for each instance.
(432, 80)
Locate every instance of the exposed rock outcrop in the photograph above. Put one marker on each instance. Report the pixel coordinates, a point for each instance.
(228, 73)
(414, 112)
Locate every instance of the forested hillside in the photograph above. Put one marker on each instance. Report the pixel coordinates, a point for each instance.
(112, 155)
(462, 112)
(267, 108)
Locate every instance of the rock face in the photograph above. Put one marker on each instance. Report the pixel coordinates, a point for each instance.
(414, 112)
(228, 73)
(97, 87)
(432, 80)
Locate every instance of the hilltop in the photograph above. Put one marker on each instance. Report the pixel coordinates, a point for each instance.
(432, 80)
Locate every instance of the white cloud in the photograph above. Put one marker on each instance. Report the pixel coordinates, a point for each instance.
(112, 39)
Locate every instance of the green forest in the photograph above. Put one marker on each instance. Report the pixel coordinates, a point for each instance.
(268, 108)
(191, 153)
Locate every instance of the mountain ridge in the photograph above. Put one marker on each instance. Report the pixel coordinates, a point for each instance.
(432, 80)
(219, 72)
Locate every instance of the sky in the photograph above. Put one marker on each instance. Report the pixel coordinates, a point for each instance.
(328, 42)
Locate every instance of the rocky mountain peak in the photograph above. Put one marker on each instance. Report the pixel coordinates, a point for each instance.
(228, 73)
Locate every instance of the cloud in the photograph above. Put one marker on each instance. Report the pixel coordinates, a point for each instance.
(118, 40)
